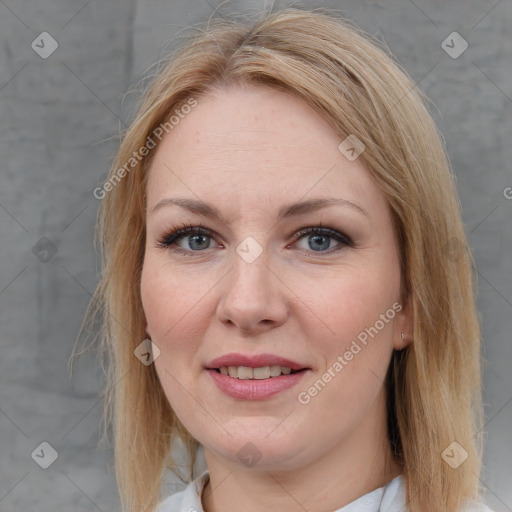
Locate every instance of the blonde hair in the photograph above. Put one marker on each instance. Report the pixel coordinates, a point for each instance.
(434, 385)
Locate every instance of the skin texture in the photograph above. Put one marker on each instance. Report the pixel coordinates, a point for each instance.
(248, 151)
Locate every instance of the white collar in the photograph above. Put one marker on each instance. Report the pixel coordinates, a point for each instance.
(390, 498)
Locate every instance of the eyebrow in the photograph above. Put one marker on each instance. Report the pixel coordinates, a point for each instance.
(206, 210)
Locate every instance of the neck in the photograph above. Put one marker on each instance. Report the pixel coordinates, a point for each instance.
(358, 464)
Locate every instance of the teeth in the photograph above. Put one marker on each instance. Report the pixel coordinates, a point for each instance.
(275, 370)
(245, 372)
(263, 372)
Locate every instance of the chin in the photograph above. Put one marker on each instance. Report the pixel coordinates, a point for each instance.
(259, 451)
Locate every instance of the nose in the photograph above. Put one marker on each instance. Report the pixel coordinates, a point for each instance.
(254, 297)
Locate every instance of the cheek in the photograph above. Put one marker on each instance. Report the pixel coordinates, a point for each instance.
(159, 289)
(176, 318)
(155, 299)
(359, 311)
(355, 355)
(176, 309)
(167, 302)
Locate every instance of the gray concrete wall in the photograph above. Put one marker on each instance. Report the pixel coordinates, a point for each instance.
(58, 117)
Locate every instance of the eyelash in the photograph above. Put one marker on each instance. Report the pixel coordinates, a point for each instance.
(179, 231)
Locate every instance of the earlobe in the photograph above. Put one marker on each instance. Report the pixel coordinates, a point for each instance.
(404, 328)
(405, 340)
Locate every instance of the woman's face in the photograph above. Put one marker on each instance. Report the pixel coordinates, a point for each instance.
(247, 289)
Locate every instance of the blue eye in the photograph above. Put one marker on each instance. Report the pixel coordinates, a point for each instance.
(198, 238)
(319, 238)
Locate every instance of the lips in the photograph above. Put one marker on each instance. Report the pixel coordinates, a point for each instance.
(255, 377)
(254, 361)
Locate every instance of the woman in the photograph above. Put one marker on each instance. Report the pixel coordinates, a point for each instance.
(287, 283)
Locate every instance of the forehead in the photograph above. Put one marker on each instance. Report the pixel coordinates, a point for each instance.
(256, 145)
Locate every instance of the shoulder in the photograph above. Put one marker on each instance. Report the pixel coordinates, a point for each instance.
(172, 503)
(475, 506)
(179, 502)
(394, 499)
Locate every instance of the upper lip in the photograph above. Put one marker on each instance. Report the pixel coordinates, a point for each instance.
(254, 361)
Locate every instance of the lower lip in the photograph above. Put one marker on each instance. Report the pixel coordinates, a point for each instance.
(254, 389)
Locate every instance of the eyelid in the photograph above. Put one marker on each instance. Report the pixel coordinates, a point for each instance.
(181, 230)
(326, 230)
(177, 232)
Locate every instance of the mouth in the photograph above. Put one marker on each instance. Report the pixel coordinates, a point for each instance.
(258, 373)
(257, 366)
(246, 383)
(255, 377)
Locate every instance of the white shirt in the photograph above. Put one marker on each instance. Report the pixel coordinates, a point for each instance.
(390, 498)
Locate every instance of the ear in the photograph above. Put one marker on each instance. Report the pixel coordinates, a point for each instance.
(403, 327)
